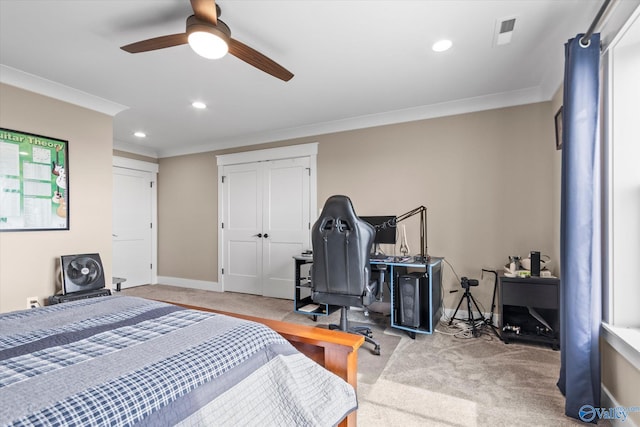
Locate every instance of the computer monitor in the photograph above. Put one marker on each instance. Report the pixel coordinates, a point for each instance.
(385, 228)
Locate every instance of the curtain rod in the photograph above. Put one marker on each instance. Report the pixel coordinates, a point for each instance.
(584, 41)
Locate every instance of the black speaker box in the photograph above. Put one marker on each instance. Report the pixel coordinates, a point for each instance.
(535, 263)
(412, 290)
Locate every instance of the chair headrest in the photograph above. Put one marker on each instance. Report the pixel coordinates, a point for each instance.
(338, 213)
(338, 207)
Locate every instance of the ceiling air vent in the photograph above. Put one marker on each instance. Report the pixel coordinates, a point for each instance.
(504, 31)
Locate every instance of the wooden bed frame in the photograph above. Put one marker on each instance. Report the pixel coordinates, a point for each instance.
(334, 350)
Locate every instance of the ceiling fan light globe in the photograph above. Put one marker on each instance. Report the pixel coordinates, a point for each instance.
(208, 45)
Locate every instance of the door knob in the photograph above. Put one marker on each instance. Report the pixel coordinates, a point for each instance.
(266, 235)
(258, 235)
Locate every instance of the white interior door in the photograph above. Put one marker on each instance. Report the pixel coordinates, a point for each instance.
(265, 222)
(242, 228)
(285, 223)
(132, 226)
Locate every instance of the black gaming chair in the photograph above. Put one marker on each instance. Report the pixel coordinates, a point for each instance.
(340, 273)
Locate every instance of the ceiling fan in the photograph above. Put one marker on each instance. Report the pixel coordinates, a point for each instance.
(211, 38)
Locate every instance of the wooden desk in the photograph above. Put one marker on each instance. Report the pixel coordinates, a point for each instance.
(429, 294)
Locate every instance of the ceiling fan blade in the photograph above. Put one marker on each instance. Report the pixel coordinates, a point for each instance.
(205, 10)
(156, 43)
(258, 60)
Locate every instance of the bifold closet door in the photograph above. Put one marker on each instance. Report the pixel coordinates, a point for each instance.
(265, 223)
(242, 228)
(286, 221)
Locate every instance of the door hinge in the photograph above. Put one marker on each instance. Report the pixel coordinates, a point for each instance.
(309, 226)
(151, 184)
(222, 225)
(308, 170)
(150, 225)
(222, 271)
(151, 266)
(223, 179)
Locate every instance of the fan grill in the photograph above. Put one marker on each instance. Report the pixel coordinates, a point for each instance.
(81, 273)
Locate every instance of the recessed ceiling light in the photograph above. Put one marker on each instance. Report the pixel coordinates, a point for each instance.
(140, 134)
(442, 45)
(199, 105)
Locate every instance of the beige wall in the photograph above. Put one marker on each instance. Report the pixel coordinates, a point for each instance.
(486, 178)
(28, 259)
(187, 217)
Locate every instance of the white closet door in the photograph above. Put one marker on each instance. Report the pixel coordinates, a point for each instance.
(285, 223)
(266, 207)
(242, 220)
(132, 230)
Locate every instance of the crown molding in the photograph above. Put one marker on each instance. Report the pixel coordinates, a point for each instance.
(32, 83)
(423, 112)
(134, 149)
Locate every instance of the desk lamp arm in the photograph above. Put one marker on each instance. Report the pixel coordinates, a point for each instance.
(424, 252)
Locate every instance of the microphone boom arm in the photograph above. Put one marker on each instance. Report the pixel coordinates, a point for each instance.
(424, 250)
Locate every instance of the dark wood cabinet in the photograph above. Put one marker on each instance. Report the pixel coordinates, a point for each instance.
(530, 309)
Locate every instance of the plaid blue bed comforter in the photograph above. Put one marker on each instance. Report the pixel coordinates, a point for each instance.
(123, 360)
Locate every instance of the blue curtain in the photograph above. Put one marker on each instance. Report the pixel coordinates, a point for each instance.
(580, 234)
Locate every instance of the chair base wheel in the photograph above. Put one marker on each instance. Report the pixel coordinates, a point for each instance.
(361, 330)
(376, 348)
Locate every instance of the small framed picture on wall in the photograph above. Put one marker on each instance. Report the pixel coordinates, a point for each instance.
(558, 120)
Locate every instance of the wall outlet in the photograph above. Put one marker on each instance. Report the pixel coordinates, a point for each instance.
(32, 302)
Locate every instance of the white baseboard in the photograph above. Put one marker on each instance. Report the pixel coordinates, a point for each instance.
(190, 283)
(463, 314)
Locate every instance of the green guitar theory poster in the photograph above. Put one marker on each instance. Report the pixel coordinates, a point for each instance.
(34, 183)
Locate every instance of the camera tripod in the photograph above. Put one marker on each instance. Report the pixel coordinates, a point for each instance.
(471, 319)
